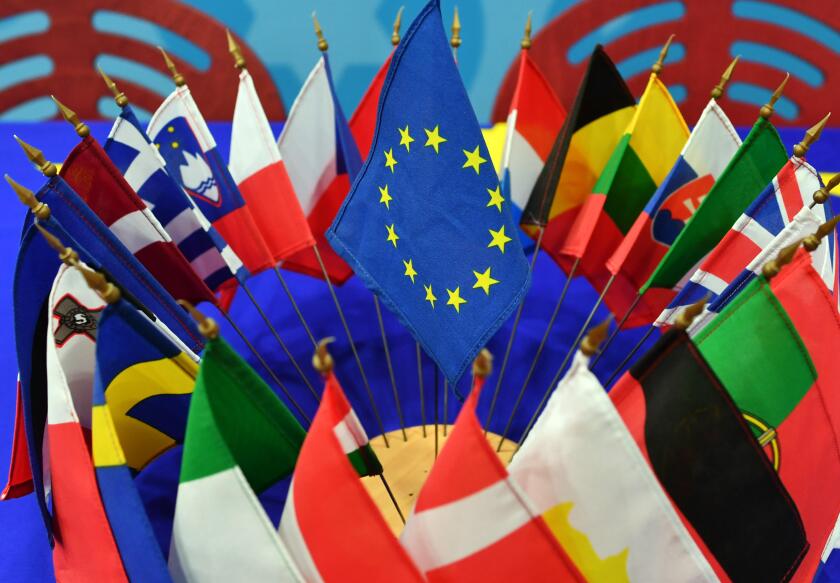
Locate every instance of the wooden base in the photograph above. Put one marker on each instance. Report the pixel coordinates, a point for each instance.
(407, 464)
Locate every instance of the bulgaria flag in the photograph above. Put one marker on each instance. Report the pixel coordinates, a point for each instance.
(330, 525)
(645, 154)
(534, 121)
(602, 109)
(240, 440)
(363, 121)
(84, 545)
(706, 458)
(709, 148)
(618, 529)
(259, 172)
(472, 522)
(322, 161)
(786, 334)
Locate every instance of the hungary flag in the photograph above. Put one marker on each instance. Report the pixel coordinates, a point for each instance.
(706, 458)
(786, 335)
(641, 161)
(754, 165)
(240, 439)
(602, 109)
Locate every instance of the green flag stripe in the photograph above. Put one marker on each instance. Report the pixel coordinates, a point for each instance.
(630, 188)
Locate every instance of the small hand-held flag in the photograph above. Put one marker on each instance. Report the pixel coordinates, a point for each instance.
(426, 226)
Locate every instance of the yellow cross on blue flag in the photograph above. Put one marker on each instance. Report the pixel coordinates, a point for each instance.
(425, 224)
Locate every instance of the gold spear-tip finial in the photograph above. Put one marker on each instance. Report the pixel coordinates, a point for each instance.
(596, 335)
(395, 36)
(36, 156)
(811, 242)
(81, 129)
(96, 281)
(659, 64)
(322, 42)
(526, 39)
(717, 91)
(821, 195)
(176, 76)
(690, 312)
(767, 109)
(119, 96)
(322, 360)
(67, 255)
(772, 268)
(455, 41)
(812, 134)
(235, 51)
(206, 325)
(483, 364)
(27, 197)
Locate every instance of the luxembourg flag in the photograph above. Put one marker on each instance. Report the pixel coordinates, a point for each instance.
(535, 118)
(182, 137)
(771, 213)
(260, 174)
(131, 151)
(322, 161)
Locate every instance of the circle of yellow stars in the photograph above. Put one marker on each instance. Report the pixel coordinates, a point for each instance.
(473, 161)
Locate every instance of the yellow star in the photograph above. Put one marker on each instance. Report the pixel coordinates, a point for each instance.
(499, 239)
(392, 236)
(433, 138)
(409, 269)
(484, 281)
(496, 198)
(474, 160)
(455, 300)
(389, 160)
(384, 197)
(430, 297)
(405, 139)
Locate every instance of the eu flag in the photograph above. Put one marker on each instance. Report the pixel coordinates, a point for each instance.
(425, 224)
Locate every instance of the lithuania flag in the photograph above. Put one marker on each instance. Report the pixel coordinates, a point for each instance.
(602, 109)
(643, 158)
(754, 165)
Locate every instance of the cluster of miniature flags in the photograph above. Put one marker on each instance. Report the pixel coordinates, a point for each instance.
(714, 457)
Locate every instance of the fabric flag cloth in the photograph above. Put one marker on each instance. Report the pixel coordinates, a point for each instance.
(645, 154)
(182, 137)
(79, 520)
(618, 529)
(92, 175)
(753, 166)
(240, 439)
(790, 328)
(322, 161)
(707, 460)
(829, 568)
(260, 174)
(777, 218)
(472, 522)
(709, 148)
(601, 112)
(330, 524)
(20, 482)
(426, 226)
(535, 118)
(363, 121)
(131, 151)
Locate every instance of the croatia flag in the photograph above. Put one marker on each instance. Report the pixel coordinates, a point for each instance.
(260, 174)
(182, 137)
(322, 160)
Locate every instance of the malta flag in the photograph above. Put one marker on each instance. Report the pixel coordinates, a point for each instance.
(84, 544)
(259, 172)
(322, 161)
(330, 525)
(363, 121)
(533, 123)
(472, 522)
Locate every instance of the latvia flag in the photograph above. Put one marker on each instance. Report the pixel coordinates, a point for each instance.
(322, 161)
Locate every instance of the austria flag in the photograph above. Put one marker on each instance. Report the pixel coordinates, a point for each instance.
(322, 160)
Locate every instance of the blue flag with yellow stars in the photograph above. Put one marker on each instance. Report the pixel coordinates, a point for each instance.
(425, 224)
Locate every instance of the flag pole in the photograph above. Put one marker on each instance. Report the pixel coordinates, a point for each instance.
(388, 363)
(445, 404)
(630, 355)
(616, 330)
(420, 384)
(437, 393)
